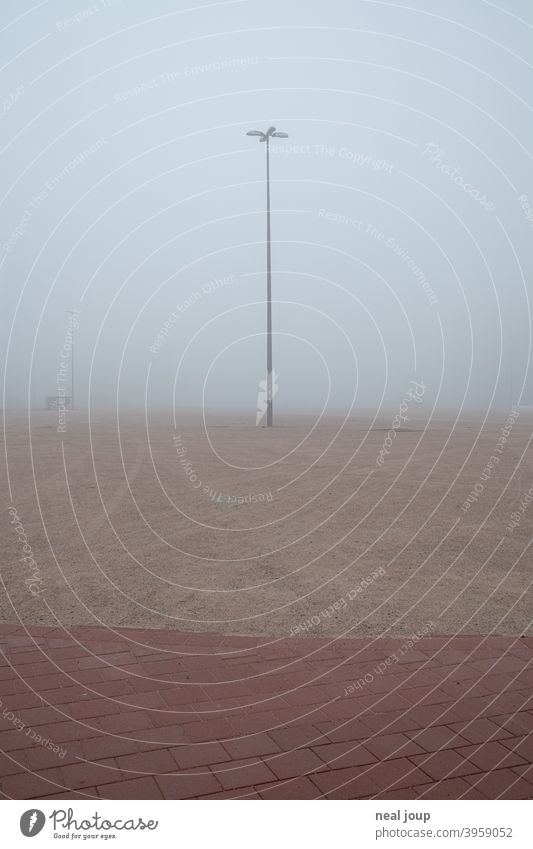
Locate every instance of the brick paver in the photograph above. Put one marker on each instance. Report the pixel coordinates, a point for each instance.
(138, 714)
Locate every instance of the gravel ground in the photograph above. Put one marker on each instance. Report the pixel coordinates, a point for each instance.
(294, 530)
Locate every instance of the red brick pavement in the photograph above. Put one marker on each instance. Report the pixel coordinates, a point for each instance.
(145, 714)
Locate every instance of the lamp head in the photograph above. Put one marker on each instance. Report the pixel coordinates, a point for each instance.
(271, 132)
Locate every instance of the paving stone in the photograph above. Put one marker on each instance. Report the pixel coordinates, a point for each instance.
(392, 746)
(347, 783)
(445, 764)
(296, 788)
(189, 784)
(488, 756)
(396, 774)
(243, 773)
(231, 717)
(292, 764)
(156, 761)
(479, 730)
(199, 754)
(437, 737)
(338, 755)
(450, 788)
(501, 784)
(251, 746)
(137, 788)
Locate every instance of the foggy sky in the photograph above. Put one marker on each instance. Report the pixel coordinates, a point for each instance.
(402, 201)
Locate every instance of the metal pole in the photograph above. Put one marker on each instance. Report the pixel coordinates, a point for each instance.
(72, 371)
(71, 313)
(265, 137)
(72, 377)
(269, 295)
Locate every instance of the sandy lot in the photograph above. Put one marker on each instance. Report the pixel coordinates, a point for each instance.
(141, 522)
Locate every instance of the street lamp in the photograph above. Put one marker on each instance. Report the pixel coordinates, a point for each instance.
(265, 137)
(72, 313)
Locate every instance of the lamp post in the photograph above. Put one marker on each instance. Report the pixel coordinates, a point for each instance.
(72, 313)
(265, 137)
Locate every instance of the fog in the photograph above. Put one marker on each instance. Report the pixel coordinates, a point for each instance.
(402, 203)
